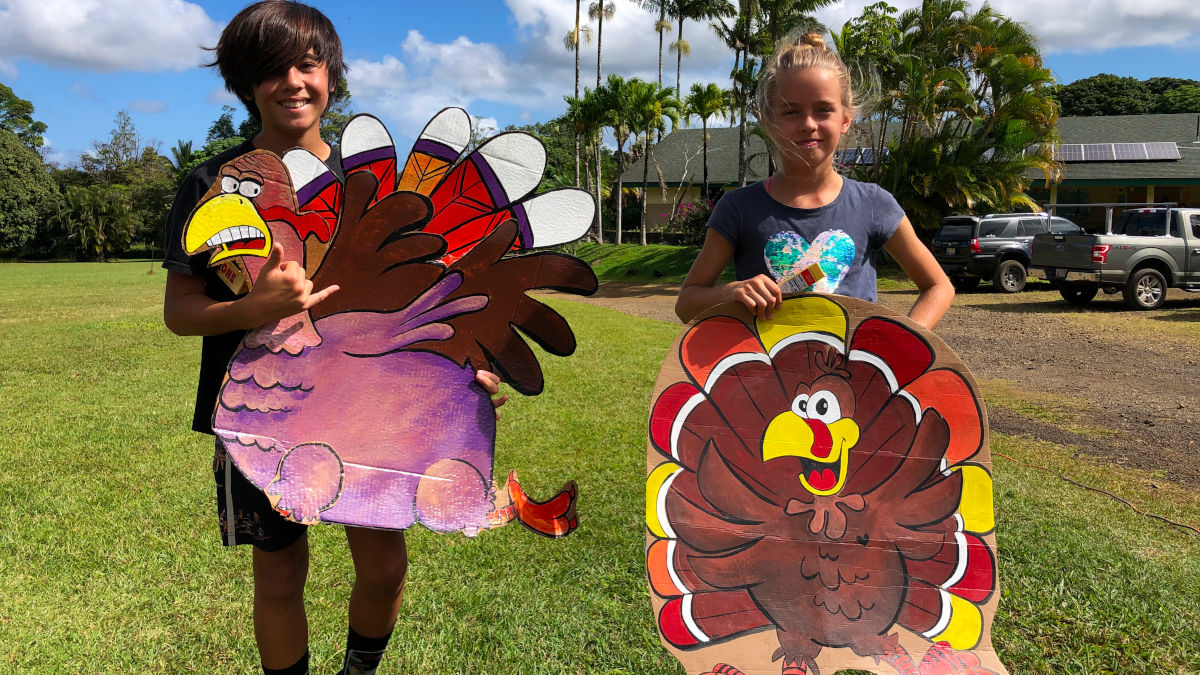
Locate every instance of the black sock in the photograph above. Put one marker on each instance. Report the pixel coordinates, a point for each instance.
(298, 668)
(363, 653)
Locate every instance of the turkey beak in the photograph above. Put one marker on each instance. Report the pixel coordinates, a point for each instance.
(823, 449)
(230, 224)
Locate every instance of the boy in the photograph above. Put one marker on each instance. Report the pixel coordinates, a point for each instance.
(283, 60)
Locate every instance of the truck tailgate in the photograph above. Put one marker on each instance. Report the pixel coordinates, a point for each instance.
(1067, 251)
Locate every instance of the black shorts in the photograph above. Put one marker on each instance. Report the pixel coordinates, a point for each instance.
(254, 521)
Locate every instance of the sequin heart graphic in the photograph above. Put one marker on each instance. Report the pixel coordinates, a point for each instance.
(787, 253)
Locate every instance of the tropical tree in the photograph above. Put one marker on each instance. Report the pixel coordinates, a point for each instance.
(696, 10)
(966, 112)
(662, 25)
(1105, 94)
(704, 101)
(778, 18)
(181, 154)
(98, 219)
(590, 117)
(337, 115)
(614, 96)
(16, 116)
(27, 193)
(744, 39)
(650, 106)
(600, 10)
(571, 43)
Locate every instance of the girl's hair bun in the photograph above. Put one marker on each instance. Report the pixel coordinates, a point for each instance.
(813, 40)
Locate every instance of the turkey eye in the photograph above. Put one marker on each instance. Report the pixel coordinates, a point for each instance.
(824, 406)
(800, 406)
(249, 188)
(229, 184)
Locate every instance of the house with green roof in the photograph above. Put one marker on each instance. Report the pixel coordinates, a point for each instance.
(1124, 158)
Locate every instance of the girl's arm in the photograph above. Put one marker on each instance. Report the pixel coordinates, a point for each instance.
(760, 294)
(936, 291)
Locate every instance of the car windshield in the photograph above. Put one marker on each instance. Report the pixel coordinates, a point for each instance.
(958, 231)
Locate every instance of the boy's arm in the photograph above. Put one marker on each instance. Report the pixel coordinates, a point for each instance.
(280, 291)
(936, 291)
(760, 294)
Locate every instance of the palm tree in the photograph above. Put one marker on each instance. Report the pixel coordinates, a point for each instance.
(571, 43)
(697, 10)
(600, 10)
(780, 17)
(661, 26)
(589, 116)
(968, 99)
(181, 155)
(704, 102)
(614, 96)
(649, 107)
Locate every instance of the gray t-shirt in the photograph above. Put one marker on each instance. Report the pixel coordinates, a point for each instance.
(777, 240)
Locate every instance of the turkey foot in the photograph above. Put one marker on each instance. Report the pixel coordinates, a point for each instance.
(554, 517)
(309, 481)
(453, 495)
(942, 660)
(723, 669)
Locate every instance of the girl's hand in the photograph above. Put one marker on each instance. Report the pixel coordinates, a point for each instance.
(491, 384)
(760, 294)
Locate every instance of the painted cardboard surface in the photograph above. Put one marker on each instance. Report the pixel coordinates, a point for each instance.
(819, 496)
(363, 410)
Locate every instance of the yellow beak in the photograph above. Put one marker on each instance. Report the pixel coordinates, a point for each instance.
(824, 449)
(230, 224)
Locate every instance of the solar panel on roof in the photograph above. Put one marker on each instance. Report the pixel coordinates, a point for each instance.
(868, 156)
(1130, 152)
(1162, 151)
(1098, 152)
(1069, 152)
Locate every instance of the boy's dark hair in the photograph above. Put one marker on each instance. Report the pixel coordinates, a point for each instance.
(267, 38)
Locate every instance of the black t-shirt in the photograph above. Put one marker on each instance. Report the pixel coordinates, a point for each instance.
(217, 350)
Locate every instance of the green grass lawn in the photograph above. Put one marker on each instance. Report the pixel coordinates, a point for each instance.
(110, 560)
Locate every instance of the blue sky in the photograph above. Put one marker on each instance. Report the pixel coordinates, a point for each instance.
(82, 61)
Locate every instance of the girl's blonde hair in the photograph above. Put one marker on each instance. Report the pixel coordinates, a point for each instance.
(798, 53)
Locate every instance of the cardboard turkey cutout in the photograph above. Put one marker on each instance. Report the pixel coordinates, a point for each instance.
(819, 496)
(363, 410)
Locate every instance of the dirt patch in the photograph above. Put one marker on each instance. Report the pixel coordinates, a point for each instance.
(1121, 387)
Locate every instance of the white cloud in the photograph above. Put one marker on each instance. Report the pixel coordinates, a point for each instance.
(84, 90)
(106, 35)
(221, 96)
(1068, 26)
(146, 106)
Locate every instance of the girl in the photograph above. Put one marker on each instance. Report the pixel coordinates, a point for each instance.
(805, 105)
(283, 60)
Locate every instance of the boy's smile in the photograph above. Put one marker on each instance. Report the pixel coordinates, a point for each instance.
(291, 103)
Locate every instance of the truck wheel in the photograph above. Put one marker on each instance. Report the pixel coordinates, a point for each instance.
(1146, 289)
(1077, 293)
(1010, 276)
(965, 284)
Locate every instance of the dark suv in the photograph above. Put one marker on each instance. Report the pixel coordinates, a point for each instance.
(995, 247)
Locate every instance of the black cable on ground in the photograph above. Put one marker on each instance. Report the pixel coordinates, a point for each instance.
(1103, 492)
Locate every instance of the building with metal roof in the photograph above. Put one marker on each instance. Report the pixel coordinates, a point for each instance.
(1124, 158)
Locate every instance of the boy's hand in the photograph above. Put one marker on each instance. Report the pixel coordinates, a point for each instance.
(281, 290)
(760, 294)
(491, 384)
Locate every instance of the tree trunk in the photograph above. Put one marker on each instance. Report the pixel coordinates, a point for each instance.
(662, 18)
(704, 141)
(577, 2)
(599, 41)
(620, 208)
(645, 181)
(679, 62)
(599, 182)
